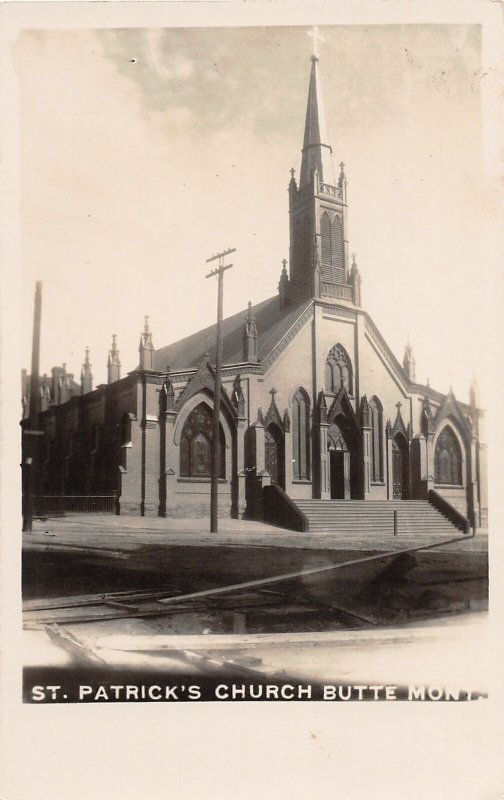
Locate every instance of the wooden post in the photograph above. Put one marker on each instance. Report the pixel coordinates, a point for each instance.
(214, 485)
(395, 522)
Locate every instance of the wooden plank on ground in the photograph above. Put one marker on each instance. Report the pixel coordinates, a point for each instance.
(73, 601)
(305, 572)
(76, 648)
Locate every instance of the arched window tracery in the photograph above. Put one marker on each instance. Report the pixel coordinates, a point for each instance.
(448, 459)
(301, 435)
(196, 445)
(338, 371)
(335, 438)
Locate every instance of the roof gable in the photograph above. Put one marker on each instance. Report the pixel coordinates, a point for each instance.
(273, 323)
(451, 409)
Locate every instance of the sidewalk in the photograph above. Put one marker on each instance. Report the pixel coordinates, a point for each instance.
(111, 532)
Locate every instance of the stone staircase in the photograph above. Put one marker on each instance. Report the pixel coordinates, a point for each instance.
(361, 518)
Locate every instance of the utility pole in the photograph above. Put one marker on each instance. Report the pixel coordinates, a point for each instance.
(214, 485)
(30, 441)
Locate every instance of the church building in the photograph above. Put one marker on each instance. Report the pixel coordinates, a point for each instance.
(314, 407)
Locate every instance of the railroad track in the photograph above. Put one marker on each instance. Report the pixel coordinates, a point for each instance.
(251, 594)
(126, 605)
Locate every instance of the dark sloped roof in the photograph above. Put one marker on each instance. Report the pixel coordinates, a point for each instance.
(272, 324)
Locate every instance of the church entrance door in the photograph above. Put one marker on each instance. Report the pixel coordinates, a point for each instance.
(275, 454)
(340, 474)
(400, 472)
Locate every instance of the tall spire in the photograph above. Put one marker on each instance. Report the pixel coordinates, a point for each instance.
(318, 254)
(317, 152)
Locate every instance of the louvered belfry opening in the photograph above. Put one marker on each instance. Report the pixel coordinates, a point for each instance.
(303, 258)
(331, 246)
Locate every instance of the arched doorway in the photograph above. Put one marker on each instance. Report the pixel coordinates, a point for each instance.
(400, 468)
(274, 445)
(340, 474)
(342, 461)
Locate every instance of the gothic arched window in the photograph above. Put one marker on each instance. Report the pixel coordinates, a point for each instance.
(301, 435)
(448, 459)
(337, 250)
(196, 445)
(376, 412)
(338, 370)
(325, 246)
(303, 242)
(331, 246)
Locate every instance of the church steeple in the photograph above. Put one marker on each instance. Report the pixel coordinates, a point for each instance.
(317, 152)
(319, 265)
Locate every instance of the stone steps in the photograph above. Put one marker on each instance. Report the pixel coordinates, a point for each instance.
(360, 517)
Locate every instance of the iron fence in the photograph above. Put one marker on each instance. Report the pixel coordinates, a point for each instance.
(58, 505)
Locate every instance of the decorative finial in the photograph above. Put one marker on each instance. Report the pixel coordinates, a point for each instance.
(114, 341)
(354, 262)
(292, 172)
(249, 326)
(284, 264)
(146, 324)
(273, 393)
(398, 406)
(342, 176)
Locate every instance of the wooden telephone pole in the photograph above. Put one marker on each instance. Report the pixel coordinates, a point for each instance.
(216, 455)
(30, 448)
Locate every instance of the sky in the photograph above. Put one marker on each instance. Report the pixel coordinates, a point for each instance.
(145, 151)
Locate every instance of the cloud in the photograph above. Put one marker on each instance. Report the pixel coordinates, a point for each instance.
(166, 64)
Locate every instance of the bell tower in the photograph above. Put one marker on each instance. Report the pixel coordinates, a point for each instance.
(319, 263)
